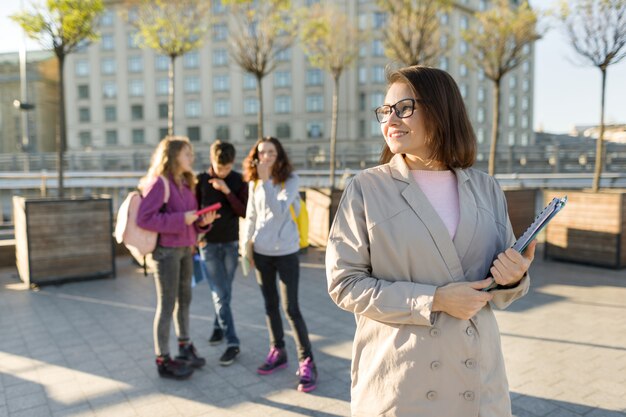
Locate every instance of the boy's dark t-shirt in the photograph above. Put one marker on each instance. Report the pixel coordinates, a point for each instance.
(226, 228)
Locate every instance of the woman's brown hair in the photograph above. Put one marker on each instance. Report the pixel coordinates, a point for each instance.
(282, 168)
(164, 160)
(449, 132)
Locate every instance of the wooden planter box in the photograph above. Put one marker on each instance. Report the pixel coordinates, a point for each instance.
(322, 207)
(591, 229)
(58, 240)
(521, 205)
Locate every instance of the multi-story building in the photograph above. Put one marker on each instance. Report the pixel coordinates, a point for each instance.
(42, 89)
(117, 93)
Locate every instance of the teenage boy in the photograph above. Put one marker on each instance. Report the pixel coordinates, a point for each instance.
(221, 184)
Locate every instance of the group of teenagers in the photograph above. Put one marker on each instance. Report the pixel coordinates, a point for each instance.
(419, 251)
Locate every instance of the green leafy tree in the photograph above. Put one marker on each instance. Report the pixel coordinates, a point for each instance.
(597, 31)
(61, 26)
(413, 33)
(333, 51)
(264, 29)
(171, 28)
(500, 41)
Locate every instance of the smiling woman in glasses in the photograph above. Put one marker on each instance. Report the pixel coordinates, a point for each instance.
(409, 252)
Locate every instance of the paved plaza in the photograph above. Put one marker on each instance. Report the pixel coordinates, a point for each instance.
(85, 349)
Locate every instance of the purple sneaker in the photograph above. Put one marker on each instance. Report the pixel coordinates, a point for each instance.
(276, 359)
(308, 375)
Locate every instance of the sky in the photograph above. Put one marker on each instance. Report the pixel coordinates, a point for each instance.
(567, 93)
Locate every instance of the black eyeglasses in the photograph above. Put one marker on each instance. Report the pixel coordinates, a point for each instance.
(403, 108)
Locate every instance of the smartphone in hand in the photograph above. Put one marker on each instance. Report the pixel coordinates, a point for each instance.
(212, 207)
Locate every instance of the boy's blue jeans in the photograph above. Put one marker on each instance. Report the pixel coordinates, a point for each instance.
(221, 262)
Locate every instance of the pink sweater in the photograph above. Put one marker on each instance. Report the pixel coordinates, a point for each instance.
(442, 192)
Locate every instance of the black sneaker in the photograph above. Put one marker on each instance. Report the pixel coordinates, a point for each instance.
(187, 352)
(229, 356)
(173, 368)
(217, 337)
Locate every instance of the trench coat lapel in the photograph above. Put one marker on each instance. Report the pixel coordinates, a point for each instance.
(418, 201)
(468, 214)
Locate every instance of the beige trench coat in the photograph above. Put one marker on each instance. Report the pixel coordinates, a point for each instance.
(387, 253)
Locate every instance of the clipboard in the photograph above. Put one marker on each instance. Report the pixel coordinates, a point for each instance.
(537, 226)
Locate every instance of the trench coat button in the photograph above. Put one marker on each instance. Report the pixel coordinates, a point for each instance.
(470, 363)
(434, 365)
(470, 331)
(431, 395)
(468, 395)
(434, 332)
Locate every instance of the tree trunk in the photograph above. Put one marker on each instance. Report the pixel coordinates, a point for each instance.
(259, 89)
(600, 141)
(495, 119)
(170, 98)
(333, 132)
(62, 132)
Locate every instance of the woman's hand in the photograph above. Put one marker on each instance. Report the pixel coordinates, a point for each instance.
(462, 299)
(190, 217)
(249, 252)
(263, 170)
(510, 266)
(208, 218)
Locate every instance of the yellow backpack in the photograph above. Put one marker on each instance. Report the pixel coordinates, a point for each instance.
(301, 219)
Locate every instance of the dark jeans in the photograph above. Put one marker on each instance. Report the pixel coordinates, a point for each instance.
(288, 269)
(173, 269)
(221, 262)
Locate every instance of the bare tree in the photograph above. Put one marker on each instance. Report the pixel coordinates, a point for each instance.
(172, 29)
(597, 32)
(62, 26)
(332, 50)
(413, 33)
(501, 40)
(263, 29)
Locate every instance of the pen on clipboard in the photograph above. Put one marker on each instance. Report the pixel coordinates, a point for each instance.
(533, 230)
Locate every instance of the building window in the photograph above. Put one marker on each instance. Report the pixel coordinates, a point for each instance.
(162, 86)
(83, 91)
(480, 94)
(362, 127)
(362, 101)
(222, 132)
(110, 137)
(380, 19)
(163, 132)
(480, 135)
(109, 89)
(162, 63)
(283, 131)
(464, 22)
(463, 90)
(525, 121)
(377, 48)
(191, 59)
(84, 115)
(284, 55)
(221, 82)
(480, 115)
(136, 112)
(481, 74)
(82, 67)
(107, 18)
(526, 67)
(106, 42)
(250, 105)
(314, 103)
(85, 139)
(135, 88)
(250, 131)
(463, 70)
(463, 47)
(362, 21)
(524, 139)
(249, 82)
(443, 41)
(163, 111)
(377, 99)
(138, 136)
(378, 74)
(218, 7)
(107, 66)
(110, 113)
(525, 103)
(511, 138)
(512, 82)
(444, 19)
(222, 107)
(282, 79)
(525, 85)
(511, 119)
(193, 133)
(220, 32)
(315, 129)
(192, 84)
(135, 63)
(512, 101)
(443, 63)
(192, 109)
(482, 5)
(282, 104)
(132, 40)
(374, 128)
(362, 75)
(220, 57)
(362, 51)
